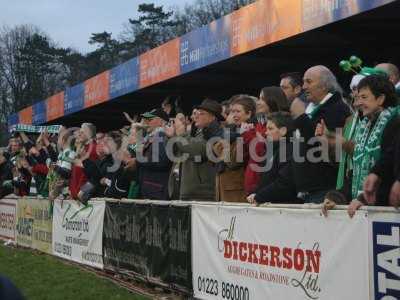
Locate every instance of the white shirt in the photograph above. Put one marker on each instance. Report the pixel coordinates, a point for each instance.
(310, 108)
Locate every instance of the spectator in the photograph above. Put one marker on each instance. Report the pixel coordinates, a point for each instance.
(196, 174)
(379, 131)
(86, 148)
(37, 156)
(6, 176)
(292, 85)
(272, 99)
(14, 148)
(225, 108)
(279, 129)
(230, 172)
(326, 103)
(169, 107)
(118, 185)
(152, 161)
(99, 171)
(393, 73)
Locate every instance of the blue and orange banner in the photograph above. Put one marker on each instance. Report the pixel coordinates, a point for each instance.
(319, 13)
(264, 22)
(160, 64)
(124, 78)
(25, 116)
(206, 45)
(74, 98)
(13, 119)
(55, 106)
(97, 89)
(39, 113)
(253, 26)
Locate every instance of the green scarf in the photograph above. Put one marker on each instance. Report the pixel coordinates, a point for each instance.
(367, 151)
(346, 163)
(35, 129)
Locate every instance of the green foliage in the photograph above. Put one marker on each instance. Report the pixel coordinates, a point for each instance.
(33, 67)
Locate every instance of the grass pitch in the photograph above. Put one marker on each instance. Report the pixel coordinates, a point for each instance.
(42, 277)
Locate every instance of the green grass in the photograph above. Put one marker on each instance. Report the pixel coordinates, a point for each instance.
(43, 277)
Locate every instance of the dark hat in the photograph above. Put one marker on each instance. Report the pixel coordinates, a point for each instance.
(156, 113)
(212, 107)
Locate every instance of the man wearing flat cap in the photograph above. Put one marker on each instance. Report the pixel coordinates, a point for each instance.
(151, 158)
(197, 173)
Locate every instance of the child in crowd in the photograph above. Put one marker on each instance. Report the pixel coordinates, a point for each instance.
(279, 130)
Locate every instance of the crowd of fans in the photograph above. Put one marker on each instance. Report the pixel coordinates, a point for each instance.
(301, 142)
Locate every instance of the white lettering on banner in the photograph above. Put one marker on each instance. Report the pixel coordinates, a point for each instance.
(78, 232)
(202, 53)
(255, 258)
(389, 260)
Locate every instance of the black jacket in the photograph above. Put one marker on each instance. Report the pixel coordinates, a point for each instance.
(388, 166)
(5, 175)
(275, 185)
(154, 168)
(96, 170)
(311, 176)
(120, 183)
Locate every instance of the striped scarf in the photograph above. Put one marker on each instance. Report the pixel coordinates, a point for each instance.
(35, 129)
(367, 151)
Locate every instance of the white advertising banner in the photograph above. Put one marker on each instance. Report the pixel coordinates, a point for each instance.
(78, 231)
(385, 254)
(291, 254)
(8, 219)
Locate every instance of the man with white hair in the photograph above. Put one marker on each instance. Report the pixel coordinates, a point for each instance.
(310, 172)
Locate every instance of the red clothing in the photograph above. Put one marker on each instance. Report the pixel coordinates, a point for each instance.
(40, 169)
(78, 176)
(252, 177)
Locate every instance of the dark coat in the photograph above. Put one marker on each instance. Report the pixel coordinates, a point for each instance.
(274, 185)
(154, 171)
(388, 166)
(96, 170)
(5, 176)
(307, 174)
(120, 183)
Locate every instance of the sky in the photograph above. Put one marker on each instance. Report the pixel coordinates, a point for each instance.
(70, 22)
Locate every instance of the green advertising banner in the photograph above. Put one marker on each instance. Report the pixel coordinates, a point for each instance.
(34, 224)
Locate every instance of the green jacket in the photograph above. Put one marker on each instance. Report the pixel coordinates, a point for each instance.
(197, 173)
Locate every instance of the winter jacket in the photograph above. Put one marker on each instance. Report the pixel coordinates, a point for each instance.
(197, 172)
(306, 174)
(78, 176)
(388, 166)
(98, 169)
(274, 180)
(251, 175)
(230, 176)
(6, 177)
(120, 183)
(153, 171)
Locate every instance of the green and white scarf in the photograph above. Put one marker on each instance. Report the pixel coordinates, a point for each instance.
(35, 129)
(346, 161)
(367, 151)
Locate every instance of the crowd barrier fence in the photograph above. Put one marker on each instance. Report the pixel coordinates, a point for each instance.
(221, 250)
